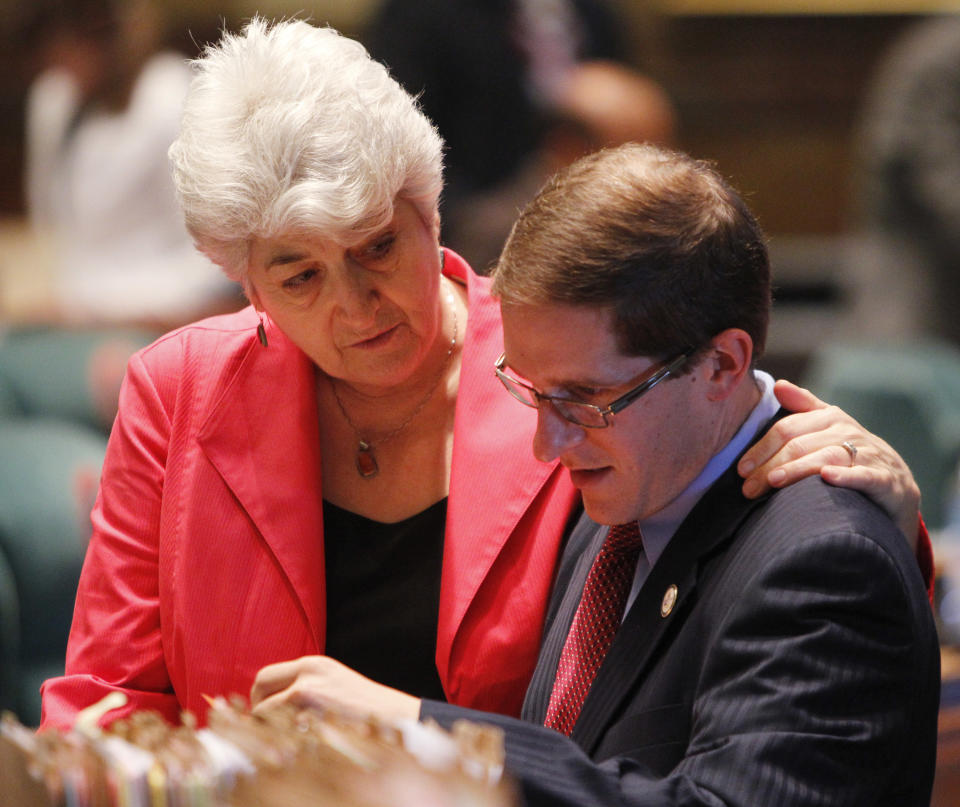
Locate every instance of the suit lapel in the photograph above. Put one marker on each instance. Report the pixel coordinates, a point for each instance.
(711, 524)
(583, 546)
(269, 407)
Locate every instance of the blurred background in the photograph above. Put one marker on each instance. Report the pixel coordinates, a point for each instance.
(839, 120)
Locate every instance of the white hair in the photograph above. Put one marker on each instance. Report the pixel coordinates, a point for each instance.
(288, 128)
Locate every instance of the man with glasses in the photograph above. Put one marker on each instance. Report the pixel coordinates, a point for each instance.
(586, 414)
(700, 648)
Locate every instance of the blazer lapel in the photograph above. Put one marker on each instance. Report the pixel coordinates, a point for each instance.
(494, 475)
(713, 522)
(262, 436)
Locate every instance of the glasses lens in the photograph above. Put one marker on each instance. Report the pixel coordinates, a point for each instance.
(521, 393)
(579, 413)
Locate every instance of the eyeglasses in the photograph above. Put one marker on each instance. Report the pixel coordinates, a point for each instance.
(578, 412)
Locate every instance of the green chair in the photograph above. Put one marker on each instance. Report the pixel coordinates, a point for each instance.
(53, 432)
(53, 372)
(9, 636)
(909, 394)
(48, 474)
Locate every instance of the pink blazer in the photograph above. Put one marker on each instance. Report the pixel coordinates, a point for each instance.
(207, 560)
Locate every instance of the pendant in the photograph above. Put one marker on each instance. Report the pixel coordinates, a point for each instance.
(366, 463)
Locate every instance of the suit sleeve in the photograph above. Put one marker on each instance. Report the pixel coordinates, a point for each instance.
(115, 641)
(819, 686)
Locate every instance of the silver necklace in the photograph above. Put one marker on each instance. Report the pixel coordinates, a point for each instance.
(366, 460)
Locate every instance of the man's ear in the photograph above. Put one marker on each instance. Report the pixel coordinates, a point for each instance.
(728, 362)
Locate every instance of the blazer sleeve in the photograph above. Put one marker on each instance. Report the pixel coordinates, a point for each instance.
(819, 684)
(115, 641)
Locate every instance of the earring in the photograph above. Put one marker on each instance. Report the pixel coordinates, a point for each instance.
(261, 333)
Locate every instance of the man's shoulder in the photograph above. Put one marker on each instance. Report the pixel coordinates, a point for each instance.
(813, 507)
(809, 521)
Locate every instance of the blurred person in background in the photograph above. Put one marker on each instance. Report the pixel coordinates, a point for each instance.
(486, 73)
(596, 104)
(906, 268)
(101, 113)
(336, 468)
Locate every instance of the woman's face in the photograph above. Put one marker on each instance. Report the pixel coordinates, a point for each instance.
(367, 314)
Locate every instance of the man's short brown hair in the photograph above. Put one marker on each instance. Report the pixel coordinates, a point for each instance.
(656, 235)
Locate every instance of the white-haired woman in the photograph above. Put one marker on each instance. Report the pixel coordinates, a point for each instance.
(336, 469)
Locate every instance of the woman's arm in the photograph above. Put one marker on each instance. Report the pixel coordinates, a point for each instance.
(115, 642)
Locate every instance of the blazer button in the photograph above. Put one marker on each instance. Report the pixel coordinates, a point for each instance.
(669, 600)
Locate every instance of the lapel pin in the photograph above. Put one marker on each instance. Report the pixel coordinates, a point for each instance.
(669, 600)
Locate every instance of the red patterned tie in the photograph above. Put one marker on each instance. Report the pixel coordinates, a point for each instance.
(594, 625)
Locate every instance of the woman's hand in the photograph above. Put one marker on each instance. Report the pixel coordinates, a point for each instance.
(811, 442)
(320, 681)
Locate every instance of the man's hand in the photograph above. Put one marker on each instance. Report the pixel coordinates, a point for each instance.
(319, 681)
(811, 442)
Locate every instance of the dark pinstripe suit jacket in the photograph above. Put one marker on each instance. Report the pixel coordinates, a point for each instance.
(798, 666)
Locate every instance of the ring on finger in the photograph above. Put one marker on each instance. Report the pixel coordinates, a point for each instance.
(852, 451)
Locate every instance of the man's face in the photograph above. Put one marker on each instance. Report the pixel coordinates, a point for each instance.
(652, 449)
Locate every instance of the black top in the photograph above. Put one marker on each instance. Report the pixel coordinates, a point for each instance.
(383, 596)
